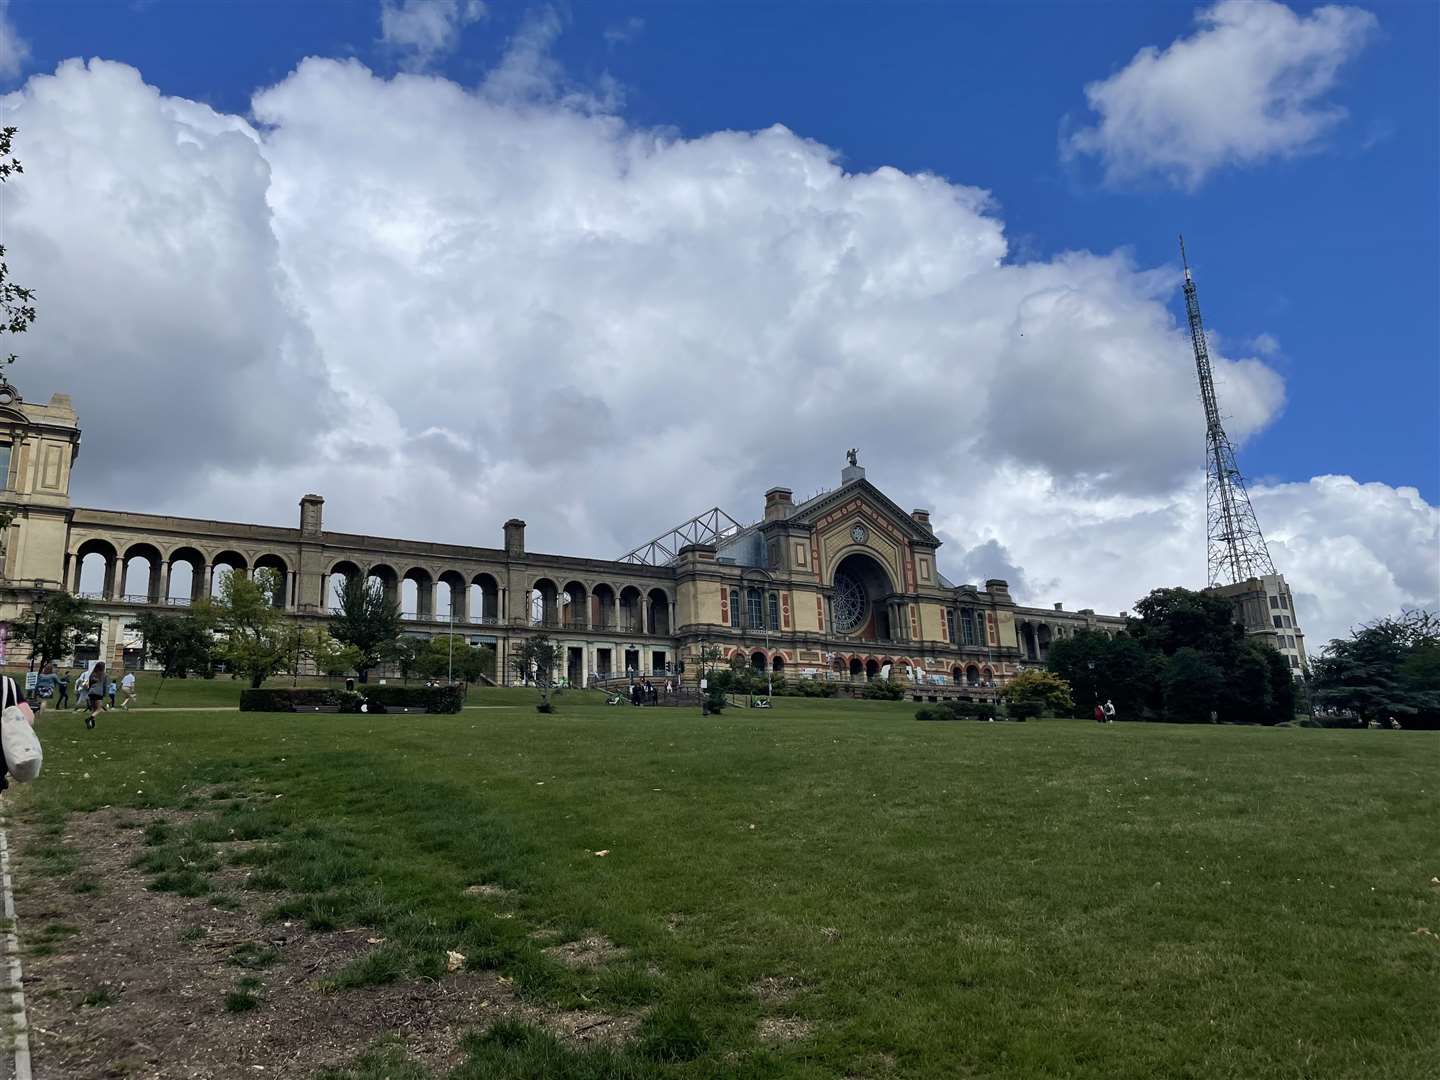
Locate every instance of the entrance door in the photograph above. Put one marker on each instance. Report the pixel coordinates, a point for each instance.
(575, 667)
(602, 663)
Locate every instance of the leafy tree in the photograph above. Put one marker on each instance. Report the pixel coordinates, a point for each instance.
(1124, 672)
(534, 661)
(17, 310)
(1174, 619)
(403, 652)
(180, 644)
(254, 641)
(368, 620)
(65, 621)
(1192, 686)
(1386, 668)
(442, 657)
(1044, 688)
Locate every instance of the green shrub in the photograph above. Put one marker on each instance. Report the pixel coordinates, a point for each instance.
(884, 690)
(932, 714)
(970, 710)
(1026, 710)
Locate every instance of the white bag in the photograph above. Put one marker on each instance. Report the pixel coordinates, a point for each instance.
(23, 756)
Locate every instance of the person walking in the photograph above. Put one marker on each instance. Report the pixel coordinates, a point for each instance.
(82, 687)
(127, 688)
(1109, 711)
(1099, 713)
(44, 686)
(110, 689)
(62, 683)
(95, 693)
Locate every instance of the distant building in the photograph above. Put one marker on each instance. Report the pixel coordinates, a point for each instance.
(1265, 608)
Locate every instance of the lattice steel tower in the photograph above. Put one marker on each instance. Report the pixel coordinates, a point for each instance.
(1235, 547)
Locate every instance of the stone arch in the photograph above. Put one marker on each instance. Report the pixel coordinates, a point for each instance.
(231, 562)
(972, 675)
(543, 607)
(280, 597)
(340, 572)
(657, 612)
(777, 663)
(451, 596)
(574, 606)
(872, 667)
(1027, 641)
(484, 598)
(632, 609)
(417, 594)
(758, 660)
(857, 666)
(987, 676)
(859, 607)
(1043, 637)
(95, 561)
(140, 575)
(388, 578)
(187, 585)
(602, 606)
(957, 675)
(839, 666)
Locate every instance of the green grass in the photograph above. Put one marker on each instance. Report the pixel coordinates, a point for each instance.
(1001, 900)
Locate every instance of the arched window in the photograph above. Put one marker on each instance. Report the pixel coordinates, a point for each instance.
(735, 608)
(950, 626)
(772, 612)
(753, 609)
(967, 626)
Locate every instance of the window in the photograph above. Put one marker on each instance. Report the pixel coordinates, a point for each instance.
(735, 608)
(950, 626)
(773, 611)
(1285, 602)
(1274, 601)
(4, 465)
(1294, 661)
(753, 609)
(967, 626)
(1290, 640)
(1288, 623)
(1278, 623)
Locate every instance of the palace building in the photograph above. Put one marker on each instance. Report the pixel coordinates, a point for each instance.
(841, 586)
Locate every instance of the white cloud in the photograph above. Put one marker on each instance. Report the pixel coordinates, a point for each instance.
(14, 50)
(528, 307)
(1249, 85)
(426, 29)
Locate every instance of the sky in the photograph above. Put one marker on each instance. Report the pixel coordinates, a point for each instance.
(603, 266)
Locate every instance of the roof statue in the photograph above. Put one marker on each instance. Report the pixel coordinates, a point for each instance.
(854, 455)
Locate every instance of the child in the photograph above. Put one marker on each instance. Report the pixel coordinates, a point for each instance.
(127, 687)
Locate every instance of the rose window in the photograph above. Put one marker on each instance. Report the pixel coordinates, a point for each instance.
(847, 604)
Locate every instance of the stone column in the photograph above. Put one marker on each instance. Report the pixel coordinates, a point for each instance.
(671, 627)
(459, 603)
(160, 582)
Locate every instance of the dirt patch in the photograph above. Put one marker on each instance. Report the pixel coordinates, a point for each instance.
(125, 982)
(490, 892)
(776, 989)
(588, 952)
(782, 1029)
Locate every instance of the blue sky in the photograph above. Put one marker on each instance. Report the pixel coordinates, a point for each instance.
(473, 260)
(1332, 253)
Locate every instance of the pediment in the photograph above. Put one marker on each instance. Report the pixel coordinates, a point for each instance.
(859, 500)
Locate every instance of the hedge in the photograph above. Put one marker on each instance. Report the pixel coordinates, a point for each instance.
(436, 699)
(1026, 710)
(959, 710)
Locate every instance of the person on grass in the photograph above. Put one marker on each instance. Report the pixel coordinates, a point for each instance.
(1099, 713)
(127, 689)
(95, 694)
(1109, 711)
(62, 683)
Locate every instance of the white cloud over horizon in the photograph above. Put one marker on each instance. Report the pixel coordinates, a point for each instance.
(527, 307)
(1247, 86)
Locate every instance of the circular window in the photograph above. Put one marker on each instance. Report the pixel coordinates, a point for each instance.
(848, 604)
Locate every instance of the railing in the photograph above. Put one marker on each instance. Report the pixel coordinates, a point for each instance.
(135, 598)
(484, 620)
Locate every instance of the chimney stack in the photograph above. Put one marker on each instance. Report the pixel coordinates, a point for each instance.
(779, 503)
(1059, 606)
(515, 538)
(922, 518)
(312, 519)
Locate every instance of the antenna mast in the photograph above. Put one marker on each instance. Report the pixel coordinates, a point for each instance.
(1235, 547)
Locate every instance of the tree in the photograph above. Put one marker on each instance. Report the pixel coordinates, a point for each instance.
(1386, 668)
(1192, 685)
(403, 652)
(1045, 688)
(17, 310)
(180, 644)
(1174, 619)
(534, 661)
(368, 620)
(255, 643)
(64, 622)
(1124, 672)
(445, 655)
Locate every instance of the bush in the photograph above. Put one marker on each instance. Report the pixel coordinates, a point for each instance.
(281, 699)
(970, 710)
(437, 699)
(932, 714)
(1026, 710)
(544, 707)
(884, 690)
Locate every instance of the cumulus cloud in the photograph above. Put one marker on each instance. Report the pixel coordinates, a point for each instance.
(425, 29)
(529, 307)
(14, 50)
(1247, 86)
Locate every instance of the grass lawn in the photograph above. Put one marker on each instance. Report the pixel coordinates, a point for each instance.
(892, 898)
